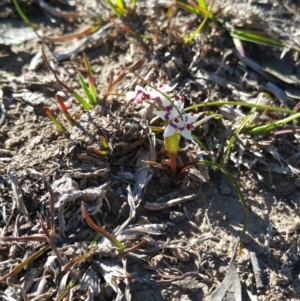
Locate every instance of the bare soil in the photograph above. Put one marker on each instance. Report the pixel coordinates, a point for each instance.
(188, 247)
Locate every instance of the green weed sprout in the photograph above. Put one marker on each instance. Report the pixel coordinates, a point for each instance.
(236, 34)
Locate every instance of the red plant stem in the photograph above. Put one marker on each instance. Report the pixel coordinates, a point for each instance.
(173, 164)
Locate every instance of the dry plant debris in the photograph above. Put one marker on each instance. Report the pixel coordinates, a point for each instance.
(91, 211)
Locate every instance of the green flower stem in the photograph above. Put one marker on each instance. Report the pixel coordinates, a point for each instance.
(172, 146)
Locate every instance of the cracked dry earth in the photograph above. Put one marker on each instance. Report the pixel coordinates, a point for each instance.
(179, 235)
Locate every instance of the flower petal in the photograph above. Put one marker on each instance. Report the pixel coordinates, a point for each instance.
(162, 114)
(169, 131)
(130, 96)
(191, 118)
(186, 134)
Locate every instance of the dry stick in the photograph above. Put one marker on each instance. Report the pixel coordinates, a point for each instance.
(50, 241)
(168, 204)
(257, 271)
(24, 238)
(17, 192)
(51, 199)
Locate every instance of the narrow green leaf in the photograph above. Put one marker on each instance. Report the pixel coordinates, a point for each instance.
(189, 38)
(64, 109)
(254, 38)
(91, 81)
(24, 263)
(114, 8)
(121, 5)
(271, 126)
(58, 125)
(202, 3)
(104, 142)
(235, 134)
(66, 290)
(99, 229)
(198, 10)
(22, 15)
(70, 90)
(239, 103)
(86, 89)
(81, 101)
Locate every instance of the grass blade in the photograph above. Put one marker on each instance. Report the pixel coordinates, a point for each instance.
(73, 93)
(119, 11)
(99, 229)
(23, 264)
(91, 81)
(22, 15)
(50, 241)
(64, 109)
(81, 34)
(58, 125)
(254, 38)
(269, 127)
(239, 103)
(104, 142)
(235, 134)
(61, 296)
(86, 89)
(198, 10)
(202, 3)
(188, 39)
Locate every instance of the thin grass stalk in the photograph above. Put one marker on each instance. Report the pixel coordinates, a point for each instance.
(86, 90)
(239, 103)
(58, 125)
(61, 296)
(112, 83)
(23, 264)
(190, 38)
(81, 34)
(99, 229)
(199, 10)
(51, 199)
(269, 127)
(73, 93)
(203, 147)
(22, 15)
(50, 241)
(235, 134)
(92, 87)
(64, 109)
(79, 259)
(254, 38)
(202, 3)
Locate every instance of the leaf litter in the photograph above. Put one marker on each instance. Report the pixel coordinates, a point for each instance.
(164, 257)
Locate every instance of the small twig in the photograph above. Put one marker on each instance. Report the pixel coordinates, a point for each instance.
(15, 185)
(133, 248)
(50, 241)
(168, 204)
(257, 271)
(51, 199)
